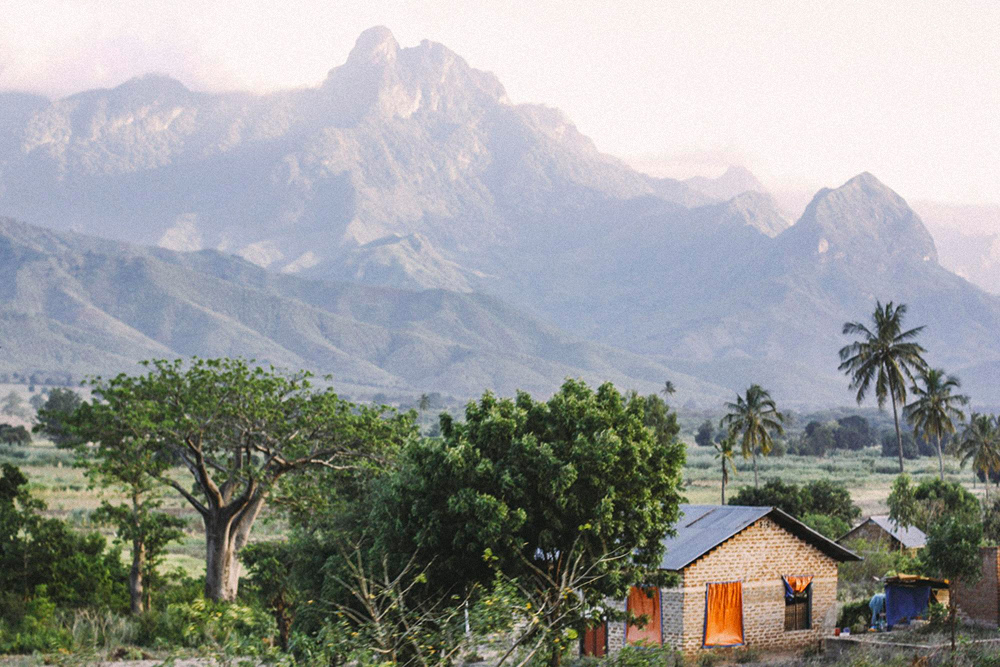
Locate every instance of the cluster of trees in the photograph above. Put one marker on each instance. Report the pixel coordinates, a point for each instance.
(847, 433)
(32, 378)
(525, 516)
(824, 506)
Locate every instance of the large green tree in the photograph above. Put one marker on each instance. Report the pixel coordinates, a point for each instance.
(582, 487)
(237, 429)
(952, 552)
(935, 408)
(885, 358)
(928, 502)
(132, 468)
(42, 554)
(52, 416)
(752, 419)
(979, 445)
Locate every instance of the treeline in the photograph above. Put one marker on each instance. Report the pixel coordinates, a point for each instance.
(519, 522)
(38, 378)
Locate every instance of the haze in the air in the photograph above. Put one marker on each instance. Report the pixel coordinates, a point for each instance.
(806, 94)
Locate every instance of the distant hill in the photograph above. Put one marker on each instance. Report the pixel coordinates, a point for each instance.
(85, 305)
(410, 180)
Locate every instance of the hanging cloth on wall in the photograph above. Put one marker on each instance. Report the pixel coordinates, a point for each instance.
(724, 614)
(644, 602)
(795, 584)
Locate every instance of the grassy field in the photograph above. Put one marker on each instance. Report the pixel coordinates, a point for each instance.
(867, 474)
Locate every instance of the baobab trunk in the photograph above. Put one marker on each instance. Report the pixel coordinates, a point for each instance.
(225, 535)
(135, 582)
(899, 436)
(221, 566)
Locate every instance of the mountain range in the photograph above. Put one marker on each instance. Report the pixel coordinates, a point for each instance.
(404, 225)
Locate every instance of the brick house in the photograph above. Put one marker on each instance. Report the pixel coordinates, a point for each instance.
(748, 576)
(980, 602)
(880, 529)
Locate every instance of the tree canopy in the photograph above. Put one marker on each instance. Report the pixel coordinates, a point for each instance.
(237, 429)
(537, 486)
(928, 502)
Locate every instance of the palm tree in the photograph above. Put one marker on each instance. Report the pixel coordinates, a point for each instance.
(980, 444)
(935, 409)
(424, 402)
(668, 389)
(724, 454)
(887, 357)
(753, 418)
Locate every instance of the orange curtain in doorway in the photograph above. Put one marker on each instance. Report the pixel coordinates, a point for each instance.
(644, 602)
(724, 614)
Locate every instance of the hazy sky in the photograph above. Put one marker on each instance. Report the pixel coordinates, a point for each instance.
(804, 93)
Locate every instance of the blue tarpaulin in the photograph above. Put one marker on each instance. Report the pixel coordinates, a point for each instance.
(903, 603)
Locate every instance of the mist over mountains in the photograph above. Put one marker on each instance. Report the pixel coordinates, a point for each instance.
(407, 183)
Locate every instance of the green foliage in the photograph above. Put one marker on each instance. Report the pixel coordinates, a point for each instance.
(539, 486)
(273, 580)
(861, 579)
(936, 408)
(14, 435)
(753, 419)
(991, 522)
(13, 405)
(818, 439)
(75, 570)
(854, 433)
(937, 615)
(884, 359)
(706, 433)
(952, 550)
(54, 414)
(930, 501)
(830, 526)
(854, 614)
(634, 656)
(238, 429)
(820, 498)
(980, 444)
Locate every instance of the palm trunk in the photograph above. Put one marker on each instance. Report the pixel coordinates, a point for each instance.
(940, 457)
(756, 485)
(723, 482)
(899, 435)
(986, 485)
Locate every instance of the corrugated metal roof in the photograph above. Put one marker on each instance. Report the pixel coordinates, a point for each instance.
(701, 528)
(911, 538)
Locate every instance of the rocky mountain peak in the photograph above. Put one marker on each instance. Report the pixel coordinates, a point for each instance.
(735, 181)
(374, 46)
(864, 217)
(757, 210)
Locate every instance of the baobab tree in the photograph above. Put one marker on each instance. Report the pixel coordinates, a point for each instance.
(237, 429)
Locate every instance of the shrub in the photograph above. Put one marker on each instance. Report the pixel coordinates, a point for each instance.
(854, 614)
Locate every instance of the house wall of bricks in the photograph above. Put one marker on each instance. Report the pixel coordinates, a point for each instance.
(874, 533)
(758, 556)
(980, 603)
